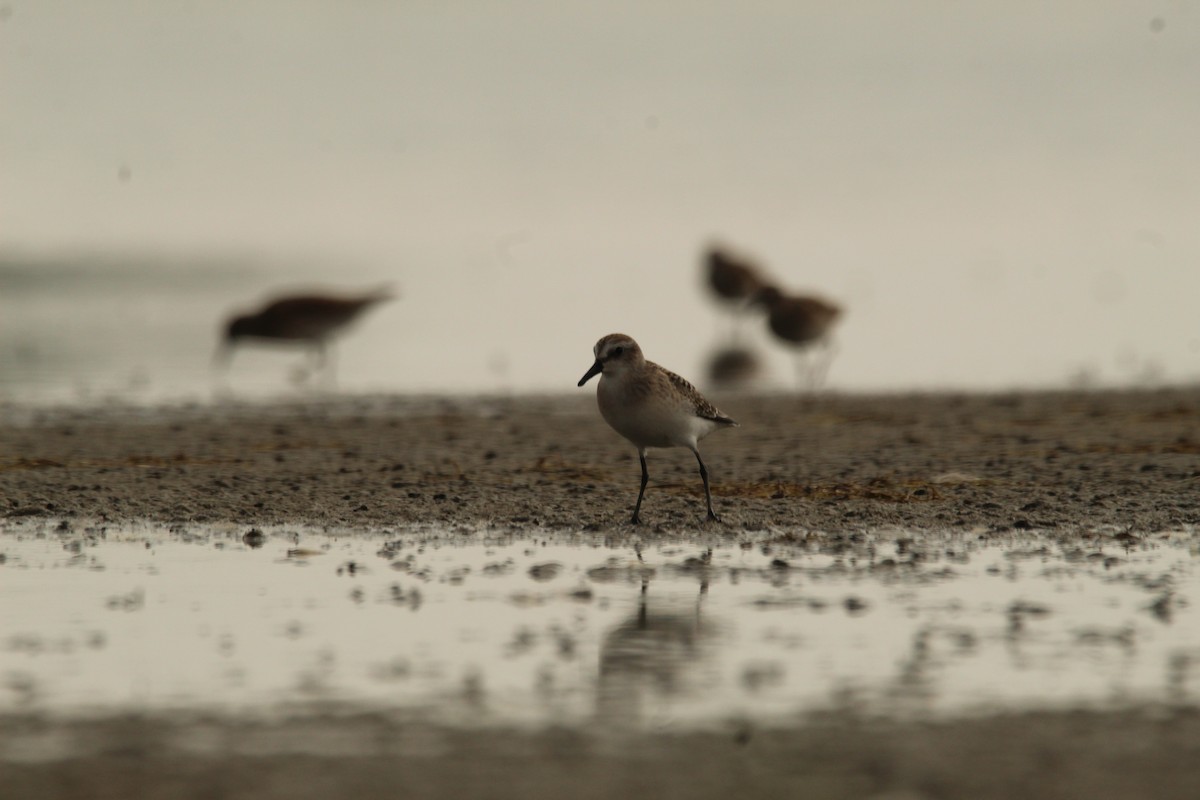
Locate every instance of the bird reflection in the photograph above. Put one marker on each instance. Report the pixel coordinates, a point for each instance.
(658, 652)
(734, 366)
(310, 321)
(804, 323)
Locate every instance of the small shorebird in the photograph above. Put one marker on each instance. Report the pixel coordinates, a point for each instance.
(310, 320)
(803, 322)
(731, 278)
(734, 280)
(651, 406)
(734, 366)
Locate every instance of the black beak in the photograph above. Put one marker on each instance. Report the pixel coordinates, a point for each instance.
(596, 369)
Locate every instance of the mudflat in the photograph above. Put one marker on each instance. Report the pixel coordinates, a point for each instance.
(1089, 470)
(1068, 462)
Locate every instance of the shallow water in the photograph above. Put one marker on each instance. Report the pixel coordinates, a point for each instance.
(493, 628)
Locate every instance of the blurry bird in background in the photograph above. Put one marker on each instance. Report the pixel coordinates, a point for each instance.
(802, 322)
(310, 321)
(734, 367)
(805, 323)
(734, 280)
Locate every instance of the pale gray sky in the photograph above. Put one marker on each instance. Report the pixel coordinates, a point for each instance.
(1001, 193)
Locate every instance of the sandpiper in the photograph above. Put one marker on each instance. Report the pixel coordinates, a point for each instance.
(308, 320)
(651, 406)
(805, 323)
(734, 280)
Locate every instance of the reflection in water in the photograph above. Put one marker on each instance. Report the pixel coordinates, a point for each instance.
(734, 367)
(497, 628)
(657, 653)
(931, 648)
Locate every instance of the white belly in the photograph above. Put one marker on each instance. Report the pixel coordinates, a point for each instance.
(650, 421)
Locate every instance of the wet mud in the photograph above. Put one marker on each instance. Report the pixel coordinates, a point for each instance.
(916, 597)
(1065, 462)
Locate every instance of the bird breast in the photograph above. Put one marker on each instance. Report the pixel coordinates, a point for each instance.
(647, 414)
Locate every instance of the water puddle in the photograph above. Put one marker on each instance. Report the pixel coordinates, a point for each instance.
(484, 629)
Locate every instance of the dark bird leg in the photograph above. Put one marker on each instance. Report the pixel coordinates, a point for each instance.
(812, 364)
(328, 366)
(222, 359)
(645, 479)
(824, 358)
(712, 515)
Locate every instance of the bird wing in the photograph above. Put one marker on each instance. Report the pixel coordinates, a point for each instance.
(700, 405)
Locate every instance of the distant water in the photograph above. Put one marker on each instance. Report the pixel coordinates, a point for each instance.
(96, 328)
(1000, 196)
(89, 329)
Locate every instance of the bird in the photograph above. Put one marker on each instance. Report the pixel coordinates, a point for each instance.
(307, 320)
(733, 280)
(805, 323)
(734, 366)
(651, 407)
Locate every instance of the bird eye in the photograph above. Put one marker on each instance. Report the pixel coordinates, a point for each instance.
(618, 350)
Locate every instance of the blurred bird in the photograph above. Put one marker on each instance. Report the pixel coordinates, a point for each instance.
(733, 280)
(733, 367)
(804, 322)
(310, 321)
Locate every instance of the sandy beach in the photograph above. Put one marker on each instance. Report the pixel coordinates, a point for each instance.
(1091, 469)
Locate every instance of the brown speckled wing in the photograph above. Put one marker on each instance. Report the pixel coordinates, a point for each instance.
(703, 408)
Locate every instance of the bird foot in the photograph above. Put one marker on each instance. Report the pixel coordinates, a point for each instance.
(636, 520)
(712, 517)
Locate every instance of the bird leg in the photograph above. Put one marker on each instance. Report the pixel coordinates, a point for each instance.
(712, 515)
(645, 479)
(828, 351)
(325, 369)
(812, 364)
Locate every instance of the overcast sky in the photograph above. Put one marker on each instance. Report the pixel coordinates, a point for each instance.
(1000, 193)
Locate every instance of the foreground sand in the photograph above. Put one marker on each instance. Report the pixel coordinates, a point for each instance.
(1068, 462)
(1081, 466)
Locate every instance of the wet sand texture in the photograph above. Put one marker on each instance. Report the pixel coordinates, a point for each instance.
(1066, 462)
(1037, 756)
(1070, 464)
